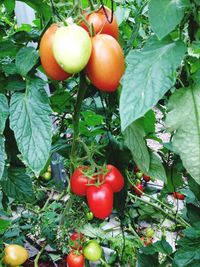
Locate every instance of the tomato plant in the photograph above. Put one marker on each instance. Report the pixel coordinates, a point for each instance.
(75, 260)
(72, 48)
(79, 181)
(106, 64)
(15, 255)
(114, 178)
(51, 67)
(100, 200)
(92, 250)
(101, 24)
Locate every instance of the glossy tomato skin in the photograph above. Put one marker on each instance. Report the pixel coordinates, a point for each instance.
(75, 260)
(77, 240)
(100, 200)
(15, 255)
(92, 251)
(178, 196)
(100, 23)
(114, 178)
(79, 182)
(106, 64)
(51, 67)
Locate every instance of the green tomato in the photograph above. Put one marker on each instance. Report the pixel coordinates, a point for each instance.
(72, 48)
(89, 216)
(92, 251)
(149, 232)
(46, 176)
(139, 175)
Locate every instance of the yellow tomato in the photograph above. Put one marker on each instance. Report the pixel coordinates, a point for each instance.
(15, 255)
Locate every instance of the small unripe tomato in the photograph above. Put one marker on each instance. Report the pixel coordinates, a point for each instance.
(139, 175)
(46, 176)
(49, 168)
(90, 216)
(149, 232)
(15, 255)
(92, 251)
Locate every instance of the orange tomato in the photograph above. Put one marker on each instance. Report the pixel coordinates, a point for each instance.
(100, 23)
(51, 67)
(106, 65)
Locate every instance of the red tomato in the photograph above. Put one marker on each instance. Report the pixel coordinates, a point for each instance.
(146, 178)
(178, 196)
(100, 23)
(77, 240)
(51, 67)
(75, 260)
(106, 65)
(136, 169)
(140, 187)
(114, 178)
(79, 182)
(100, 200)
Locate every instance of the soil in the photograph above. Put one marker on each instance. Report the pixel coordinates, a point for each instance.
(60, 263)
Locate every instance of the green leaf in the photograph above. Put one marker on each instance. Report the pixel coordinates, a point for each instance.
(26, 58)
(3, 156)
(156, 169)
(150, 73)
(31, 124)
(184, 119)
(134, 139)
(10, 5)
(187, 256)
(165, 15)
(147, 260)
(17, 184)
(4, 225)
(8, 48)
(92, 119)
(148, 121)
(41, 7)
(4, 112)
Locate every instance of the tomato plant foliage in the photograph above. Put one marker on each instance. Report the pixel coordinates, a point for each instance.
(141, 118)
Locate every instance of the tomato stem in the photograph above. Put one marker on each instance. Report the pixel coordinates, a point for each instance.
(39, 254)
(76, 117)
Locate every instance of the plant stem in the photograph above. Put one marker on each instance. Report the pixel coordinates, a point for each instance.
(172, 217)
(39, 254)
(130, 228)
(77, 111)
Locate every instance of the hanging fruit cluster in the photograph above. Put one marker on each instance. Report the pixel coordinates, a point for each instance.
(91, 45)
(98, 187)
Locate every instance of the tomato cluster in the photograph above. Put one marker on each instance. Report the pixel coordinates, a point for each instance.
(98, 188)
(91, 250)
(66, 50)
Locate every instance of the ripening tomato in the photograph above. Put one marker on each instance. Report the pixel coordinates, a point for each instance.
(15, 255)
(149, 232)
(178, 196)
(106, 65)
(72, 48)
(140, 187)
(136, 169)
(75, 260)
(79, 181)
(100, 23)
(114, 178)
(77, 240)
(92, 251)
(100, 200)
(51, 67)
(147, 240)
(146, 178)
